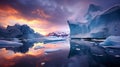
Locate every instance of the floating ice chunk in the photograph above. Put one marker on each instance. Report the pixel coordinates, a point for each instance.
(111, 42)
(78, 49)
(51, 50)
(117, 55)
(43, 63)
(98, 55)
(39, 47)
(111, 51)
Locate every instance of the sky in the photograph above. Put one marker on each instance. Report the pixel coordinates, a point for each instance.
(46, 16)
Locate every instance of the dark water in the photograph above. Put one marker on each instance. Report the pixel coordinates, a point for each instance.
(69, 53)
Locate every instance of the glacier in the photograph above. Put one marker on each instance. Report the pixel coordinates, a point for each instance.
(101, 26)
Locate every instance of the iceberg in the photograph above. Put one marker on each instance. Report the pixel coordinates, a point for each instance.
(111, 42)
(39, 47)
(51, 50)
(101, 26)
(78, 28)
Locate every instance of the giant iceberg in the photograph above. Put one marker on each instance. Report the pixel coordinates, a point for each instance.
(101, 26)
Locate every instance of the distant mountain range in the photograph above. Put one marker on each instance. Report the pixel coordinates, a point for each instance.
(58, 34)
(18, 31)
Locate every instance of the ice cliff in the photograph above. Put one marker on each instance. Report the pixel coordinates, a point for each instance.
(101, 26)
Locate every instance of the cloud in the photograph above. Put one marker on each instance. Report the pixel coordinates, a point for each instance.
(47, 10)
(10, 16)
(43, 15)
(39, 15)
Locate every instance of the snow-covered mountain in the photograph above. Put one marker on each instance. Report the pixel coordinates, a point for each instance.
(58, 34)
(18, 31)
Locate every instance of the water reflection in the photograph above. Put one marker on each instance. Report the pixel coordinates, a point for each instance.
(54, 54)
(68, 53)
(23, 49)
(88, 54)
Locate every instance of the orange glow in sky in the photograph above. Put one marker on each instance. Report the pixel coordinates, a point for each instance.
(9, 16)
